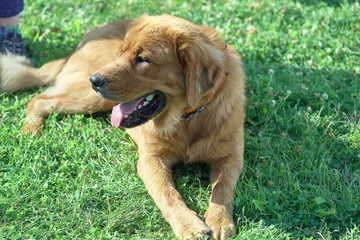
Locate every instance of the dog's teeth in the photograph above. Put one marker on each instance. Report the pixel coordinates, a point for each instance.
(126, 116)
(139, 106)
(145, 103)
(150, 97)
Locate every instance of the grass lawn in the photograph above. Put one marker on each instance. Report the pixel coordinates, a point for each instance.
(302, 157)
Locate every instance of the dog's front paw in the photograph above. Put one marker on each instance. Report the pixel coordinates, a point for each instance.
(195, 231)
(220, 221)
(191, 227)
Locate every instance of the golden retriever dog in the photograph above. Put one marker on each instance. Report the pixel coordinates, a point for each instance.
(175, 86)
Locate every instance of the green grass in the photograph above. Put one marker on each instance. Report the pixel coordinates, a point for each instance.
(301, 178)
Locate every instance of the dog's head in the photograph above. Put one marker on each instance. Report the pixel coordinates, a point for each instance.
(168, 66)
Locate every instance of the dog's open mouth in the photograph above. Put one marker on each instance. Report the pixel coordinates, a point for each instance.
(138, 112)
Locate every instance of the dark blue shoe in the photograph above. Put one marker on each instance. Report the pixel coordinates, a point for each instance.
(13, 43)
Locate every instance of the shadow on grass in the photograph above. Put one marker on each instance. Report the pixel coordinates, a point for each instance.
(301, 156)
(335, 3)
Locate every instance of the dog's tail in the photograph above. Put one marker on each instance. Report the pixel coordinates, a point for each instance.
(16, 73)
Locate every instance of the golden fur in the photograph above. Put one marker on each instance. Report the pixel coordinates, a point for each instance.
(192, 66)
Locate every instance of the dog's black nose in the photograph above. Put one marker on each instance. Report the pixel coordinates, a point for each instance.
(97, 82)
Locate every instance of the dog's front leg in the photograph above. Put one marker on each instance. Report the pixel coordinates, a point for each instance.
(158, 179)
(224, 174)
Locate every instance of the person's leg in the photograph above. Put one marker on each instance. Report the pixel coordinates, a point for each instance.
(9, 24)
(10, 21)
(10, 37)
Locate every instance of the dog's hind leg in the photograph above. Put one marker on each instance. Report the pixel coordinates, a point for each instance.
(41, 106)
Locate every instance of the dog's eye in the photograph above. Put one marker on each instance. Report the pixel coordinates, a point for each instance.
(139, 60)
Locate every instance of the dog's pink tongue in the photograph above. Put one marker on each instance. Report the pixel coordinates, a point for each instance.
(119, 112)
(116, 116)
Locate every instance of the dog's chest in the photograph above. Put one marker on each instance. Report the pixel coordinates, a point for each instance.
(193, 146)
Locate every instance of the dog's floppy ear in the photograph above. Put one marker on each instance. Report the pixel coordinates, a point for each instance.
(201, 62)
